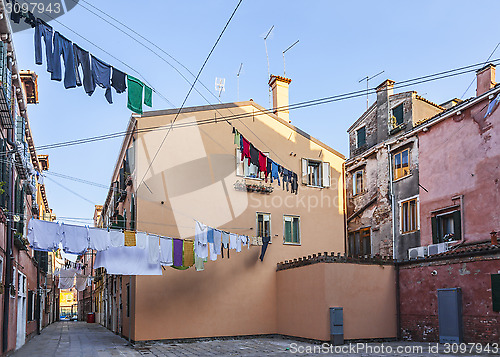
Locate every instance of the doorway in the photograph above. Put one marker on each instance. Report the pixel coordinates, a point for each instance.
(21, 310)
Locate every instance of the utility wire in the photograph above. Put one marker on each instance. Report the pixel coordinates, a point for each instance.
(299, 105)
(190, 90)
(491, 54)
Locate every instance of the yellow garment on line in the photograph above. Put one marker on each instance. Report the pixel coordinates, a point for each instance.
(130, 239)
(188, 253)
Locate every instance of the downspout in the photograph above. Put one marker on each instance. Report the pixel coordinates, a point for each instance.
(38, 297)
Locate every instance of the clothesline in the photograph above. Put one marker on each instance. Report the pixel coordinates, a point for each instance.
(95, 71)
(139, 253)
(264, 164)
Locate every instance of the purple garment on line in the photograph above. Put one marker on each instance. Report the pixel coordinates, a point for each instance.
(178, 252)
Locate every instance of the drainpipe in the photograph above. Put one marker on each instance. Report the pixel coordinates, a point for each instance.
(8, 251)
(344, 203)
(462, 215)
(38, 297)
(393, 203)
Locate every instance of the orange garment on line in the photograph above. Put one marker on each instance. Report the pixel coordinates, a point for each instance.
(188, 253)
(130, 239)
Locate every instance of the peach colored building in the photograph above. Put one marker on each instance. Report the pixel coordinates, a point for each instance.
(166, 177)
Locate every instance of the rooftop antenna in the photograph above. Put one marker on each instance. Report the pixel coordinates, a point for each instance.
(284, 69)
(238, 78)
(367, 79)
(268, 67)
(219, 85)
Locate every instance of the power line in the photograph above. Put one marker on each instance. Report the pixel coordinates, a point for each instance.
(299, 105)
(190, 90)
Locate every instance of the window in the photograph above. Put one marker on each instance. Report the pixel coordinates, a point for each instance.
(409, 216)
(245, 168)
(132, 212)
(401, 164)
(397, 116)
(291, 229)
(31, 305)
(263, 225)
(360, 137)
(446, 227)
(315, 173)
(359, 243)
(495, 292)
(357, 184)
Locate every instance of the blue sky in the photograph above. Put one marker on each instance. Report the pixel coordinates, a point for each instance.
(340, 43)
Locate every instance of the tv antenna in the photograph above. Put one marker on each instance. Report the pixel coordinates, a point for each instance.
(219, 85)
(367, 79)
(284, 69)
(268, 67)
(238, 80)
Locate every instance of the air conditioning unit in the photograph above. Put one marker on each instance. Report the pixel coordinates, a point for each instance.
(418, 252)
(438, 248)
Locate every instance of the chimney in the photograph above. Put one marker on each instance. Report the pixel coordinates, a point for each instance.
(384, 91)
(485, 79)
(279, 87)
(494, 238)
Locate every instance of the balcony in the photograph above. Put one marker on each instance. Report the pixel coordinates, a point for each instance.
(5, 109)
(21, 160)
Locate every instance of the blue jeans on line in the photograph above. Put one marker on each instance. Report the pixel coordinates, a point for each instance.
(42, 29)
(64, 46)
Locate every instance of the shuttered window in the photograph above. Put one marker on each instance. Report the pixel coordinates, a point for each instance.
(409, 216)
(291, 228)
(360, 137)
(401, 164)
(263, 224)
(359, 243)
(495, 291)
(316, 173)
(397, 116)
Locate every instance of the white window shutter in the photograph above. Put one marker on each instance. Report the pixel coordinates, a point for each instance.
(305, 164)
(239, 166)
(326, 174)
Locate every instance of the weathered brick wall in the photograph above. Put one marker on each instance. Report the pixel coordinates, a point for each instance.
(419, 305)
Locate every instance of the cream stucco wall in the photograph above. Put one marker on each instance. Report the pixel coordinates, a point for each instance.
(367, 293)
(192, 177)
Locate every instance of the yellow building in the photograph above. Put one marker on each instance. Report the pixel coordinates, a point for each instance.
(68, 303)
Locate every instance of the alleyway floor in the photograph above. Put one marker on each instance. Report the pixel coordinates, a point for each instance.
(80, 339)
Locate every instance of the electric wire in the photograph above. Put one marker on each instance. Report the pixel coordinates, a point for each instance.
(190, 90)
(299, 105)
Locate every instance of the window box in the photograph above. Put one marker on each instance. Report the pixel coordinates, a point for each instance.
(249, 187)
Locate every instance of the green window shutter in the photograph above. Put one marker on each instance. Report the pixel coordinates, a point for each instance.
(457, 225)
(398, 114)
(288, 230)
(435, 238)
(495, 291)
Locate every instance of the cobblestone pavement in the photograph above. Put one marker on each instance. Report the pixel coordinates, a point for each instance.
(81, 339)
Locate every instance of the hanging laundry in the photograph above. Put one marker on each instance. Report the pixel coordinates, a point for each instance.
(217, 241)
(66, 278)
(99, 239)
(153, 248)
(274, 172)
(126, 261)
(81, 282)
(101, 76)
(135, 89)
(239, 242)
(492, 105)
(116, 238)
(225, 240)
(42, 29)
(64, 47)
(141, 240)
(44, 235)
(188, 253)
(254, 156)
(213, 254)
(294, 183)
(201, 240)
(148, 96)
(75, 239)
(263, 163)
(269, 168)
(245, 152)
(178, 245)
(130, 239)
(210, 235)
(199, 263)
(82, 58)
(15, 14)
(118, 81)
(286, 178)
(166, 251)
(237, 136)
(233, 241)
(265, 243)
